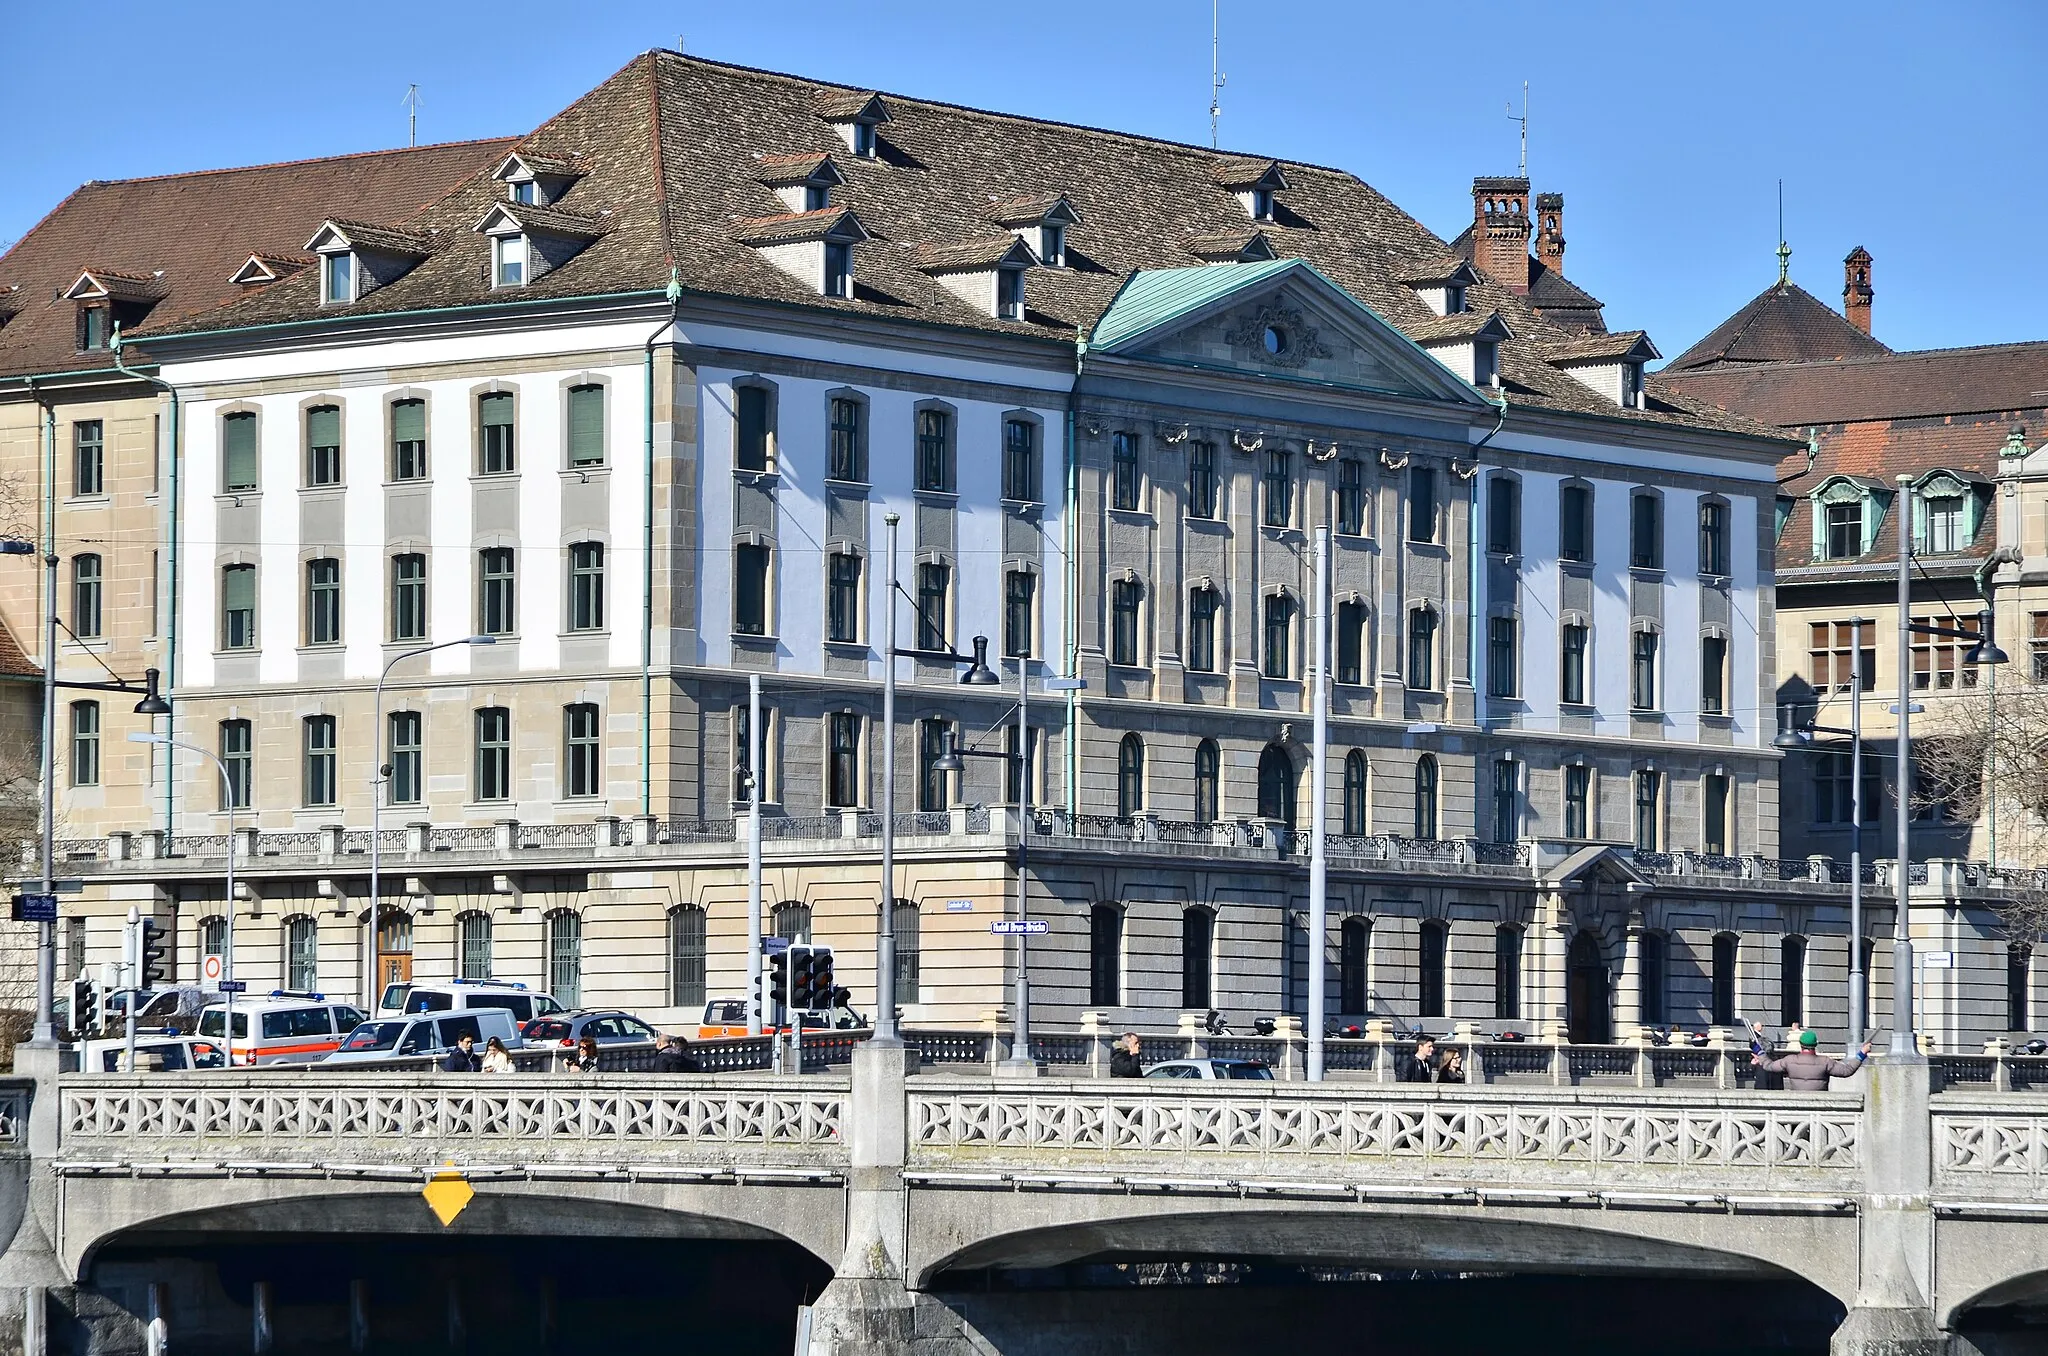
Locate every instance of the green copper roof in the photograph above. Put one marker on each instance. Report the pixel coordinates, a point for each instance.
(1155, 296)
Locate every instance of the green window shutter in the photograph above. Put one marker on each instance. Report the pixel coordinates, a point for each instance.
(238, 588)
(409, 421)
(323, 427)
(494, 410)
(238, 439)
(586, 425)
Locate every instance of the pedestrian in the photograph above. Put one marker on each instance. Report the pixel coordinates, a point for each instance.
(583, 1059)
(1418, 1065)
(1451, 1068)
(463, 1058)
(1808, 1070)
(497, 1059)
(1123, 1057)
(672, 1055)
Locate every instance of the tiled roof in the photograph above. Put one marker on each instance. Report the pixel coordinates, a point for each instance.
(1028, 210)
(378, 237)
(118, 286)
(669, 146)
(200, 229)
(1782, 324)
(14, 661)
(838, 104)
(777, 170)
(1593, 348)
(1938, 381)
(553, 167)
(787, 227)
(1550, 294)
(1444, 268)
(549, 221)
(1444, 329)
(1237, 246)
(968, 254)
(1242, 171)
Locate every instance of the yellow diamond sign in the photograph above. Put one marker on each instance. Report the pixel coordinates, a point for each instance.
(447, 1195)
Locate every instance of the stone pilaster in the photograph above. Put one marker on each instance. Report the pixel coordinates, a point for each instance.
(1891, 1315)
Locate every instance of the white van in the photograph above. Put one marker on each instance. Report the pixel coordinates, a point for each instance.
(436, 1035)
(289, 1028)
(460, 995)
(154, 1050)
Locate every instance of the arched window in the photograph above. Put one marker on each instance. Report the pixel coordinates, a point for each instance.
(793, 922)
(686, 956)
(394, 947)
(1425, 796)
(473, 943)
(1208, 782)
(1130, 776)
(302, 955)
(1355, 793)
(1105, 955)
(1432, 946)
(1197, 942)
(905, 922)
(1354, 954)
(1276, 786)
(213, 937)
(564, 929)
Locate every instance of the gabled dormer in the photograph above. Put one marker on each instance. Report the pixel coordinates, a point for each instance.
(1609, 364)
(986, 274)
(1248, 245)
(260, 270)
(1468, 343)
(531, 242)
(358, 257)
(107, 298)
(1948, 509)
(1254, 181)
(855, 115)
(803, 182)
(815, 248)
(1848, 512)
(535, 180)
(1041, 222)
(1442, 284)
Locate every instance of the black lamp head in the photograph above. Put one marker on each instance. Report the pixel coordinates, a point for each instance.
(979, 674)
(152, 703)
(949, 755)
(1986, 650)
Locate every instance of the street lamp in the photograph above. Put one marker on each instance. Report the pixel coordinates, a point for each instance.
(379, 777)
(227, 789)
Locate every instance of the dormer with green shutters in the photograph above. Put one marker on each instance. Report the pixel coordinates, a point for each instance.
(1948, 509)
(1848, 512)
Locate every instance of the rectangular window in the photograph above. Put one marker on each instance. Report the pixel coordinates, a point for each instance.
(1723, 982)
(92, 327)
(932, 784)
(1507, 974)
(1832, 658)
(1792, 981)
(1279, 489)
(493, 753)
(1422, 649)
(1124, 596)
(753, 450)
(1202, 480)
(1125, 470)
(1578, 796)
(409, 596)
(586, 586)
(498, 451)
(935, 451)
(1506, 801)
(933, 582)
(1202, 630)
(1714, 838)
(1646, 532)
(688, 968)
(238, 453)
(750, 590)
(408, 440)
(1575, 523)
(2039, 641)
(508, 254)
(1279, 636)
(156, 594)
(1844, 531)
(1714, 675)
(88, 593)
(404, 784)
(85, 743)
(1105, 955)
(842, 765)
(1945, 524)
(2019, 983)
(1833, 786)
(1020, 594)
(1642, 688)
(1502, 668)
(838, 281)
(1572, 664)
(582, 750)
(1197, 945)
(1010, 293)
(1503, 515)
(473, 941)
(1713, 537)
(1020, 460)
(302, 956)
(1351, 497)
(1432, 942)
(1015, 768)
(564, 937)
(908, 978)
(842, 599)
(323, 602)
(320, 780)
(337, 277)
(1938, 660)
(238, 607)
(1649, 817)
(1421, 504)
(586, 425)
(848, 454)
(1351, 643)
(238, 756)
(88, 458)
(497, 602)
(323, 445)
(1655, 963)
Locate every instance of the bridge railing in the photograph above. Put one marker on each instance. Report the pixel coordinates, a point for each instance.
(1991, 1072)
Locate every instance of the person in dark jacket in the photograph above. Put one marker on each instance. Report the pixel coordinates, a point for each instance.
(1809, 1070)
(672, 1055)
(1123, 1058)
(463, 1058)
(1451, 1068)
(1418, 1065)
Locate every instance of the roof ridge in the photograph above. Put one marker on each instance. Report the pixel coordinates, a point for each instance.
(290, 164)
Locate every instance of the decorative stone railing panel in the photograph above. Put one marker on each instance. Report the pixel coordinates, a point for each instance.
(1985, 1147)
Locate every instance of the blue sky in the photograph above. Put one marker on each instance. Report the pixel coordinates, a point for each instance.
(1909, 129)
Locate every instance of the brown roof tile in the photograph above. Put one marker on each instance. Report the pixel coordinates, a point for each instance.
(1782, 324)
(1591, 348)
(551, 221)
(968, 254)
(787, 227)
(1937, 381)
(778, 170)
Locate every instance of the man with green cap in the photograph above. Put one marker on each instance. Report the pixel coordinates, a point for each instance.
(1808, 1070)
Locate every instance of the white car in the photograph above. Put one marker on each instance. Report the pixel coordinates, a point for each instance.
(409, 1038)
(289, 1028)
(154, 1051)
(1211, 1068)
(460, 995)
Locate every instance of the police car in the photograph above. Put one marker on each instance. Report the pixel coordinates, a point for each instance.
(281, 1027)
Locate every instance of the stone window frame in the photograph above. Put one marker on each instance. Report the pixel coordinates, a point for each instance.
(862, 439)
(772, 419)
(306, 406)
(497, 386)
(563, 387)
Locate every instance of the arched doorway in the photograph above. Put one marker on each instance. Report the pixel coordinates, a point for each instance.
(394, 948)
(1276, 786)
(1586, 1014)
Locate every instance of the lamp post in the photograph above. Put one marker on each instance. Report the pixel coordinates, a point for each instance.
(227, 955)
(379, 776)
(886, 1034)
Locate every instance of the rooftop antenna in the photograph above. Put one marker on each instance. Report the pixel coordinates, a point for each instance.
(1522, 170)
(1784, 250)
(412, 114)
(1215, 71)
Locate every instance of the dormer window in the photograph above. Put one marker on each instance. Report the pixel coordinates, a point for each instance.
(1847, 513)
(863, 139)
(1040, 220)
(1052, 244)
(1262, 204)
(817, 197)
(1010, 293)
(337, 278)
(839, 269)
(814, 248)
(855, 115)
(1254, 182)
(92, 327)
(1611, 365)
(536, 180)
(527, 242)
(1454, 301)
(1949, 511)
(508, 261)
(986, 274)
(1442, 284)
(357, 257)
(1485, 363)
(1631, 386)
(524, 191)
(108, 300)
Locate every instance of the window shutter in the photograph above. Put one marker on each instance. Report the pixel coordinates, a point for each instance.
(238, 438)
(323, 427)
(495, 410)
(409, 421)
(238, 588)
(586, 425)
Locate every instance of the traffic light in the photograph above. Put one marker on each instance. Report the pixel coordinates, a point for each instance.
(811, 977)
(156, 948)
(778, 973)
(85, 1004)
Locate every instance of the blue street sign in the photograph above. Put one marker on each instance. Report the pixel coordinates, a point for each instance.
(1010, 927)
(233, 986)
(35, 908)
(774, 945)
(959, 906)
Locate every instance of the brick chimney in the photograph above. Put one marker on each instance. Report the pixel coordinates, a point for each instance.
(1550, 231)
(1500, 230)
(1856, 291)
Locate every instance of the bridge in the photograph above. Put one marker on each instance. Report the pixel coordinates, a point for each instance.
(1919, 1212)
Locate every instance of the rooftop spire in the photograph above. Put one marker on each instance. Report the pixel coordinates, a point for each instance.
(1784, 250)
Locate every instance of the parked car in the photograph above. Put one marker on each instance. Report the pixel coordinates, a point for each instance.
(607, 1027)
(289, 1028)
(412, 1037)
(458, 995)
(155, 1050)
(1211, 1068)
